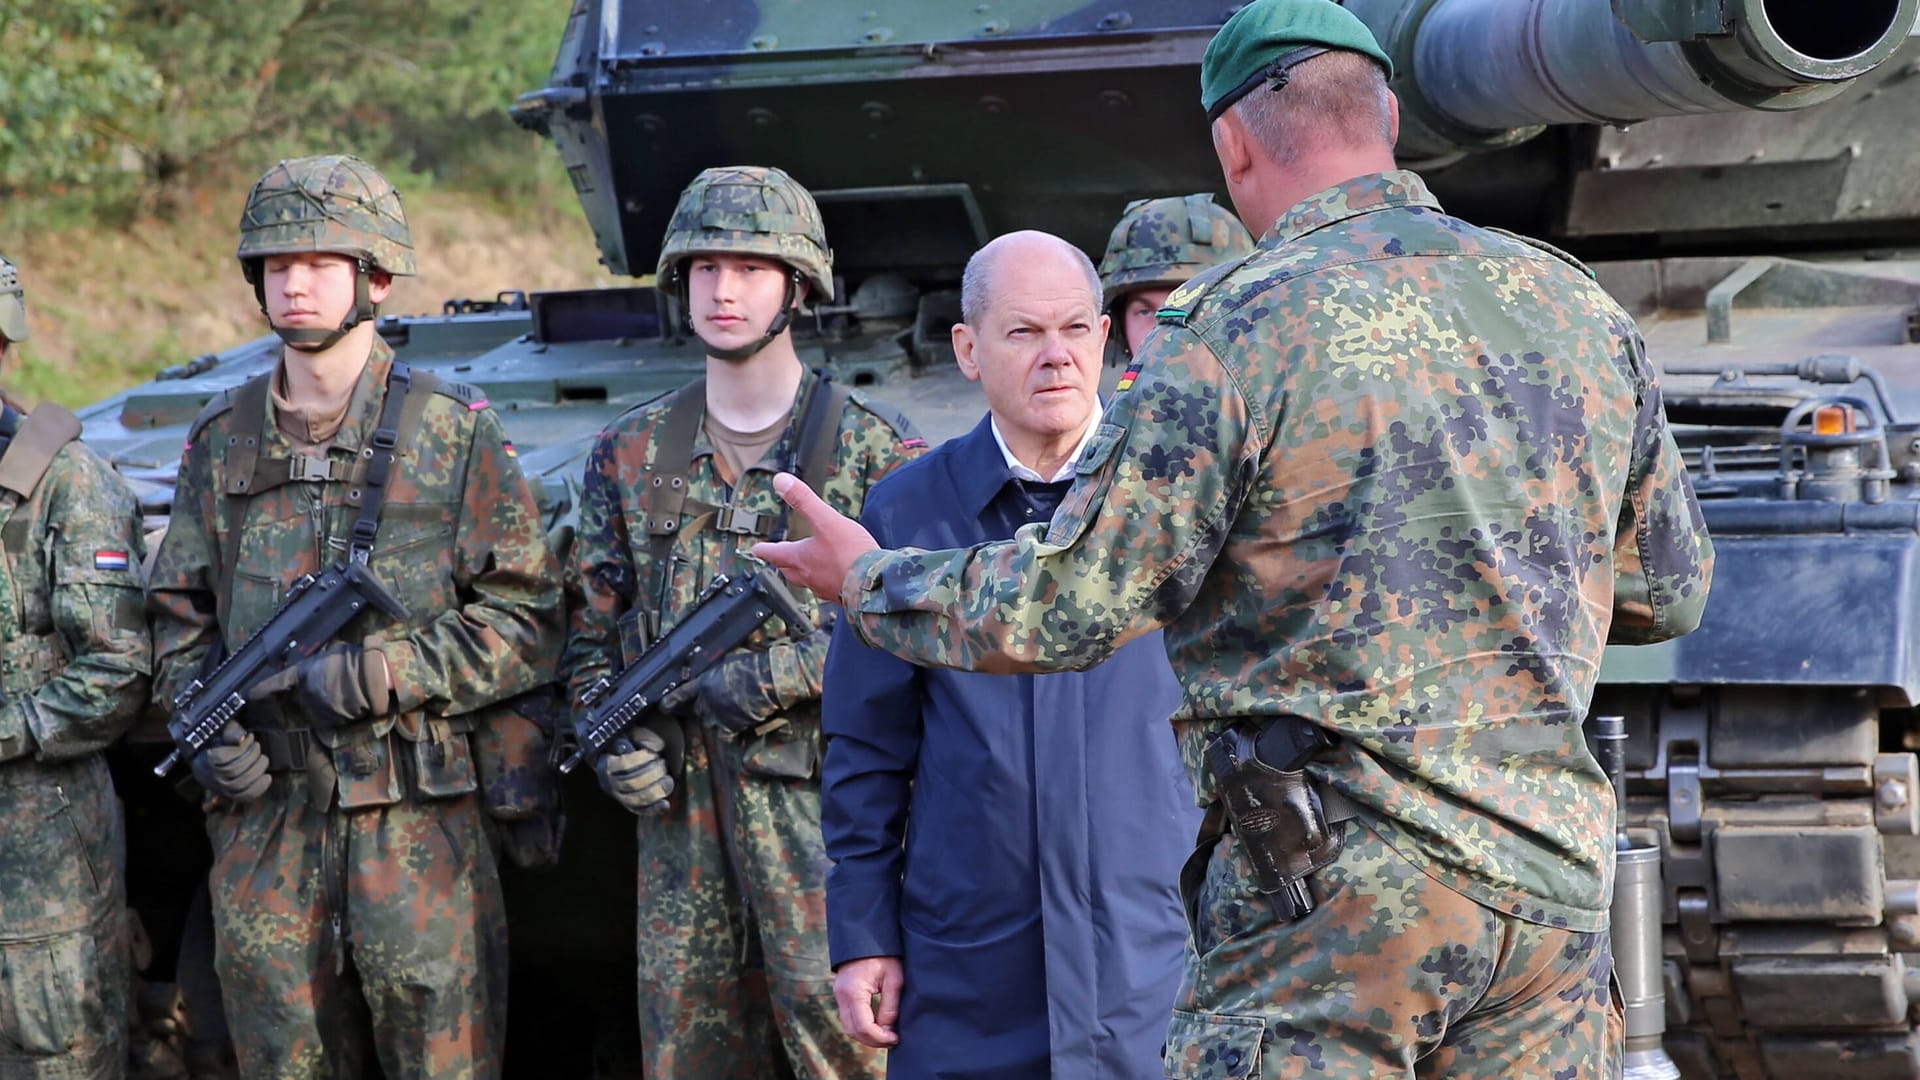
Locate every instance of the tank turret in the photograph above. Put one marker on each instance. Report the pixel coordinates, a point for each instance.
(931, 126)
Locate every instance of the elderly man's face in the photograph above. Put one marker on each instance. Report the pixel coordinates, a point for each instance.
(1037, 352)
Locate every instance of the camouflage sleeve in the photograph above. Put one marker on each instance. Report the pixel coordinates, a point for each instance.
(600, 573)
(504, 637)
(1150, 508)
(1663, 559)
(93, 568)
(180, 590)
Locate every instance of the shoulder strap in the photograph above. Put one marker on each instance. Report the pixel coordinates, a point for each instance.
(814, 444)
(669, 457)
(216, 406)
(248, 402)
(400, 414)
(31, 449)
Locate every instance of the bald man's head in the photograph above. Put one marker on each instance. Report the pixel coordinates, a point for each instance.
(1054, 259)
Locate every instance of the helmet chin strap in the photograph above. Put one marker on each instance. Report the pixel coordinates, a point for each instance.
(314, 339)
(774, 329)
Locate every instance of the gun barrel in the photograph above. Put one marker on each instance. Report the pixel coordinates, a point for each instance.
(1486, 73)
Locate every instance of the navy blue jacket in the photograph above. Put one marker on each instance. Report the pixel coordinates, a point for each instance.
(1015, 839)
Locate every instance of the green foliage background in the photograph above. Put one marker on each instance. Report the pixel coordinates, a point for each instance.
(118, 105)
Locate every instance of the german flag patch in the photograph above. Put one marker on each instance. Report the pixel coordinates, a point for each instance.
(511, 452)
(1127, 377)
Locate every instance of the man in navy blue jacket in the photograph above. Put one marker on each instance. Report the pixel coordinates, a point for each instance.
(1003, 900)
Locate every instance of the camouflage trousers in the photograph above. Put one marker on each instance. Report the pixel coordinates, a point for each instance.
(337, 931)
(733, 931)
(64, 964)
(1393, 974)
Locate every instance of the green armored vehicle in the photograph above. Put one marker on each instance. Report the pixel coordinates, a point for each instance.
(1738, 172)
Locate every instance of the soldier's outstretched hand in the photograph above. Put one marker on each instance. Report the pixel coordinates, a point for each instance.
(821, 561)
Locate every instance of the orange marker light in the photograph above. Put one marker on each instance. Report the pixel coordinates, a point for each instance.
(1833, 420)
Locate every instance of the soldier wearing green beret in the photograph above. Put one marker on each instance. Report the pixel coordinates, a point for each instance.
(74, 659)
(1391, 484)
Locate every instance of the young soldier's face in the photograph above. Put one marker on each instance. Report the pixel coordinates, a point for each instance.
(732, 299)
(1137, 311)
(314, 289)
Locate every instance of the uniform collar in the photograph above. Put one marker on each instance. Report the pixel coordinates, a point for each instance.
(1360, 195)
(363, 408)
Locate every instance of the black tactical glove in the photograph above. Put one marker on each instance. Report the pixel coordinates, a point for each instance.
(333, 687)
(234, 767)
(634, 772)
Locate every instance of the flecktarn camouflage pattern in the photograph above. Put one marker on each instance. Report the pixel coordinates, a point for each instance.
(362, 884)
(733, 872)
(1405, 481)
(13, 303)
(74, 661)
(1160, 243)
(334, 203)
(749, 210)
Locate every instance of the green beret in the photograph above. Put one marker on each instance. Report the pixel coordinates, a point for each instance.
(1267, 37)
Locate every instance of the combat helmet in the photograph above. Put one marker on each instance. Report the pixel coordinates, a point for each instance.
(13, 303)
(1160, 243)
(333, 203)
(749, 210)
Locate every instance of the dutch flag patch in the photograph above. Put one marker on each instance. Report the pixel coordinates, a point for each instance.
(110, 560)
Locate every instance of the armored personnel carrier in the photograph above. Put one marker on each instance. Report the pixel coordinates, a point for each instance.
(1738, 172)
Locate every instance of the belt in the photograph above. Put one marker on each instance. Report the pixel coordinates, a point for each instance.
(286, 748)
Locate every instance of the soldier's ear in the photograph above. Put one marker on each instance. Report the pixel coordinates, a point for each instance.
(1393, 118)
(379, 285)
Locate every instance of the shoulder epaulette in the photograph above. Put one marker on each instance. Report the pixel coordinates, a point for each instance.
(466, 394)
(1183, 301)
(889, 414)
(1542, 245)
(637, 408)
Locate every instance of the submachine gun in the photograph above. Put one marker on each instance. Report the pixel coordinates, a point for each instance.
(725, 614)
(316, 607)
(1637, 896)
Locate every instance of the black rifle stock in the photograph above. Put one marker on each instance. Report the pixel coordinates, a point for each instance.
(315, 609)
(726, 613)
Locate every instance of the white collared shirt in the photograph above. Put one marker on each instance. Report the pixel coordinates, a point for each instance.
(1065, 472)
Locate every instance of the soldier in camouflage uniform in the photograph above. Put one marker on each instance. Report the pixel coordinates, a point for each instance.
(1391, 483)
(74, 660)
(1155, 247)
(732, 867)
(355, 894)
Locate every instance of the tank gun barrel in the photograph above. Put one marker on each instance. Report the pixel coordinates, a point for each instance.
(1480, 74)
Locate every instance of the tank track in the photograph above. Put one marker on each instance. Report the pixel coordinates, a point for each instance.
(1787, 819)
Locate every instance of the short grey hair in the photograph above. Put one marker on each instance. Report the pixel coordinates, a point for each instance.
(1336, 97)
(976, 281)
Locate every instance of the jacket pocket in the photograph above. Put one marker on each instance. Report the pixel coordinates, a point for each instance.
(363, 764)
(442, 762)
(44, 995)
(1212, 1046)
(788, 752)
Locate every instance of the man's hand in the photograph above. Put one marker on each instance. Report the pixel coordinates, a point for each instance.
(333, 686)
(821, 561)
(855, 986)
(635, 772)
(235, 766)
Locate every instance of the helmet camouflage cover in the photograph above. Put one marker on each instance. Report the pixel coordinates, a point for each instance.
(13, 303)
(1160, 243)
(334, 203)
(749, 210)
